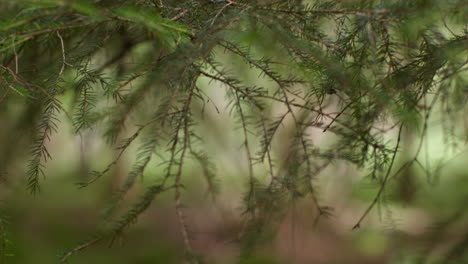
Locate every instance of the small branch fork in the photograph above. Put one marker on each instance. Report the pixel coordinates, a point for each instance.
(183, 124)
(229, 2)
(407, 164)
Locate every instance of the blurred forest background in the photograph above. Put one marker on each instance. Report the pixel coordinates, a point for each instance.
(260, 132)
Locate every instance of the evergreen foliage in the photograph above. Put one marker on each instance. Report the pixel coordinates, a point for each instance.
(361, 73)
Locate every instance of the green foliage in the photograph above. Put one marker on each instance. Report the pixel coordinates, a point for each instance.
(361, 72)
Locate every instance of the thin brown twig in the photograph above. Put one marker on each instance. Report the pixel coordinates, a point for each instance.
(338, 115)
(229, 2)
(178, 16)
(80, 248)
(64, 61)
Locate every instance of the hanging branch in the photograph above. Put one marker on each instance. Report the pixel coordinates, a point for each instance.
(383, 184)
(354, 71)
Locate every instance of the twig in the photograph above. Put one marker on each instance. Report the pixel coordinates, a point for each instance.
(122, 148)
(229, 2)
(64, 61)
(338, 115)
(383, 184)
(178, 16)
(178, 203)
(16, 56)
(247, 149)
(79, 248)
(49, 30)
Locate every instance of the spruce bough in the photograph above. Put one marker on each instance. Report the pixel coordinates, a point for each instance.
(363, 73)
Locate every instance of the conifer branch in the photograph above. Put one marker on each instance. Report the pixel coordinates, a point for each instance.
(383, 184)
(355, 71)
(251, 194)
(178, 176)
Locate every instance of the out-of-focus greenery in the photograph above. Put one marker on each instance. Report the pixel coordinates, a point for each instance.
(233, 131)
